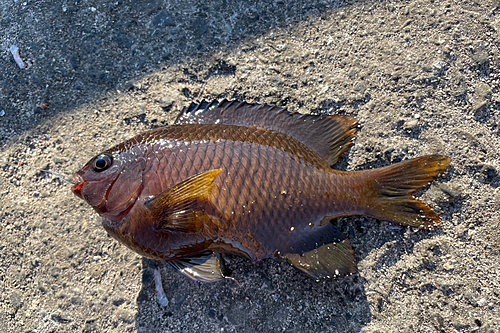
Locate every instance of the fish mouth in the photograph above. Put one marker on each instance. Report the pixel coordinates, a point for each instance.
(77, 186)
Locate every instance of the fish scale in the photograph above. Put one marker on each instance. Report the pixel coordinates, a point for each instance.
(238, 178)
(192, 158)
(279, 218)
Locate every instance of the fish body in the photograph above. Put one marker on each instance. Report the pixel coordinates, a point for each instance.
(247, 179)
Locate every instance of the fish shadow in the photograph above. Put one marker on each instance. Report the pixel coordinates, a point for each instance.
(390, 242)
(270, 297)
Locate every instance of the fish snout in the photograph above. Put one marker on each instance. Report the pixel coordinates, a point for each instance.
(77, 185)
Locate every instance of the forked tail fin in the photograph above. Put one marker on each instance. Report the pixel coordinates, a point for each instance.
(391, 188)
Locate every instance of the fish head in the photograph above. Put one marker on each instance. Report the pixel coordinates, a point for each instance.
(111, 182)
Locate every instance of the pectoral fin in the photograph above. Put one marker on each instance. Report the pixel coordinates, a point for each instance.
(204, 267)
(328, 260)
(183, 207)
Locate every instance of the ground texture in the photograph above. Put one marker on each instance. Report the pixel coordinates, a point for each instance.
(421, 77)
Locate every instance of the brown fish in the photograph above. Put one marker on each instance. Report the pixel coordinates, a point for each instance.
(253, 180)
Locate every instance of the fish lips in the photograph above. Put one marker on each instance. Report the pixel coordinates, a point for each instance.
(77, 185)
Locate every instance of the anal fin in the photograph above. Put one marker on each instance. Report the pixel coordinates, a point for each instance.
(327, 261)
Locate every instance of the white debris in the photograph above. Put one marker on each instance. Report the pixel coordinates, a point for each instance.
(162, 298)
(15, 52)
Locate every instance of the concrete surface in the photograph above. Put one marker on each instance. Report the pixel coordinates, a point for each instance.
(421, 76)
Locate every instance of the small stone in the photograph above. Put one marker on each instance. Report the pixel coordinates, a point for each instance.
(447, 289)
(482, 302)
(281, 47)
(90, 327)
(478, 107)
(42, 287)
(448, 266)
(17, 273)
(483, 91)
(359, 87)
(117, 301)
(34, 46)
(496, 200)
(125, 315)
(453, 192)
(55, 271)
(60, 318)
(276, 81)
(76, 300)
(200, 27)
(457, 83)
(69, 253)
(58, 160)
(166, 104)
(439, 320)
(371, 105)
(471, 299)
(480, 53)
(459, 324)
(410, 123)
(488, 173)
(352, 73)
(396, 75)
(16, 300)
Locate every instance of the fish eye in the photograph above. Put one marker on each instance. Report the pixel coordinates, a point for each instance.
(102, 162)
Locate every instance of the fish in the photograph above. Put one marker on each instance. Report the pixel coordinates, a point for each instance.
(253, 180)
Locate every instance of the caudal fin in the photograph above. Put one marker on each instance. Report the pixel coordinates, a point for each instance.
(391, 190)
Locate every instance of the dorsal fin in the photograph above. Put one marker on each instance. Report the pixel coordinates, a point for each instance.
(328, 136)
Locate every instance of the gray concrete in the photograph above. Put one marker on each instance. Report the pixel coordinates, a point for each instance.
(421, 76)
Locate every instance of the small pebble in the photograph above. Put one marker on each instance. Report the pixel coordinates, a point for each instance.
(411, 123)
(16, 301)
(448, 266)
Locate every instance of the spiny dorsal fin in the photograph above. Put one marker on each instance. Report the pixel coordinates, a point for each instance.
(181, 207)
(328, 136)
